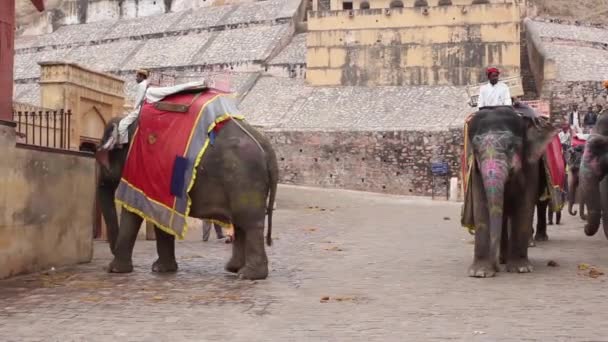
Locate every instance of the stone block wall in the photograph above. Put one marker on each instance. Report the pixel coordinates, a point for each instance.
(46, 207)
(395, 162)
(583, 93)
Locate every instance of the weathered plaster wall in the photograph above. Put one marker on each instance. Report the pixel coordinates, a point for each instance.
(46, 208)
(444, 45)
(396, 162)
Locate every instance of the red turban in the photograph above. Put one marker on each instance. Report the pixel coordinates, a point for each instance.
(492, 70)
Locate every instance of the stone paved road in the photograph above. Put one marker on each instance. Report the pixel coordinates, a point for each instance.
(394, 269)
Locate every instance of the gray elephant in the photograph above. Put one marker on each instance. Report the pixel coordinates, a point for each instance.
(573, 158)
(236, 181)
(505, 184)
(593, 183)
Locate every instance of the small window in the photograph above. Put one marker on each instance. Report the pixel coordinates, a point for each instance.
(396, 4)
(421, 3)
(364, 5)
(347, 5)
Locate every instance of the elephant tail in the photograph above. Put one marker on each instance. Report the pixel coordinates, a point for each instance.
(273, 173)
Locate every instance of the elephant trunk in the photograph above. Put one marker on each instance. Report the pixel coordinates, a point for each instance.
(589, 187)
(572, 185)
(494, 174)
(105, 193)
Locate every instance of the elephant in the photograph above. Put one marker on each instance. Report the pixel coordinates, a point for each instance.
(573, 159)
(505, 186)
(592, 181)
(233, 168)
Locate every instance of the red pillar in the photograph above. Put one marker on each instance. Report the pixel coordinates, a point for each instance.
(7, 40)
(7, 49)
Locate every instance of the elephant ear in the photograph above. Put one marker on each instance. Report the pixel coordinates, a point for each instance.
(539, 132)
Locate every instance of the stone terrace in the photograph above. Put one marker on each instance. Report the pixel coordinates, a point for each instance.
(578, 51)
(568, 62)
(294, 53)
(289, 104)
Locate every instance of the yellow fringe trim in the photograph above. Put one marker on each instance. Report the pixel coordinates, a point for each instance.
(197, 161)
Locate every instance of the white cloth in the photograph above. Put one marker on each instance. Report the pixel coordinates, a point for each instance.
(155, 94)
(582, 136)
(123, 125)
(564, 137)
(152, 95)
(494, 95)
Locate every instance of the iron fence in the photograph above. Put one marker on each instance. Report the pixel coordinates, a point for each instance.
(48, 128)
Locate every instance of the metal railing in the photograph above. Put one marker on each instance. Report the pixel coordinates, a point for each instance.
(45, 128)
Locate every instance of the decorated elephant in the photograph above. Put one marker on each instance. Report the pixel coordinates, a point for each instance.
(505, 181)
(592, 181)
(573, 159)
(233, 182)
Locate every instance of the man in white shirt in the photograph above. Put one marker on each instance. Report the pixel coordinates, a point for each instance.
(494, 93)
(141, 77)
(575, 120)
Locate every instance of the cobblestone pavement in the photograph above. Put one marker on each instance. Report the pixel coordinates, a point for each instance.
(390, 268)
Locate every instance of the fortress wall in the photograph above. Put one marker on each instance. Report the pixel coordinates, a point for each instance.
(446, 45)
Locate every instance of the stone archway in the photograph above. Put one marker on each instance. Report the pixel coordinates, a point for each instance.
(92, 124)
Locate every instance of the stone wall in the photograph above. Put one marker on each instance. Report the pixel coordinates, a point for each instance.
(46, 207)
(583, 94)
(395, 162)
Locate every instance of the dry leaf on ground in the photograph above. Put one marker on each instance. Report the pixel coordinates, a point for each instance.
(552, 263)
(334, 249)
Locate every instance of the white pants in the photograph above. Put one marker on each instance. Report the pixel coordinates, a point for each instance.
(123, 126)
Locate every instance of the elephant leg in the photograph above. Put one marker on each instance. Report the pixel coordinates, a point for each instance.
(237, 261)
(165, 247)
(521, 234)
(127, 234)
(256, 261)
(483, 265)
(541, 223)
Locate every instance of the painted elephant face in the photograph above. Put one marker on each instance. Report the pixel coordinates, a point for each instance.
(574, 156)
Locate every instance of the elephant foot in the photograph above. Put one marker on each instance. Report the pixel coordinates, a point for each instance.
(590, 231)
(233, 266)
(482, 269)
(252, 273)
(520, 266)
(120, 267)
(164, 267)
(541, 237)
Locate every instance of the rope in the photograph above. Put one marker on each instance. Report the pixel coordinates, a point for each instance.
(250, 135)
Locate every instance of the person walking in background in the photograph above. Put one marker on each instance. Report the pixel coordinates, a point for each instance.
(219, 232)
(574, 119)
(589, 119)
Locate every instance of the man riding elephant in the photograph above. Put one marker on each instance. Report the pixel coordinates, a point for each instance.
(504, 149)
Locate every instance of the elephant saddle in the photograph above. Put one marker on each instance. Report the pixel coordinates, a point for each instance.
(165, 151)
